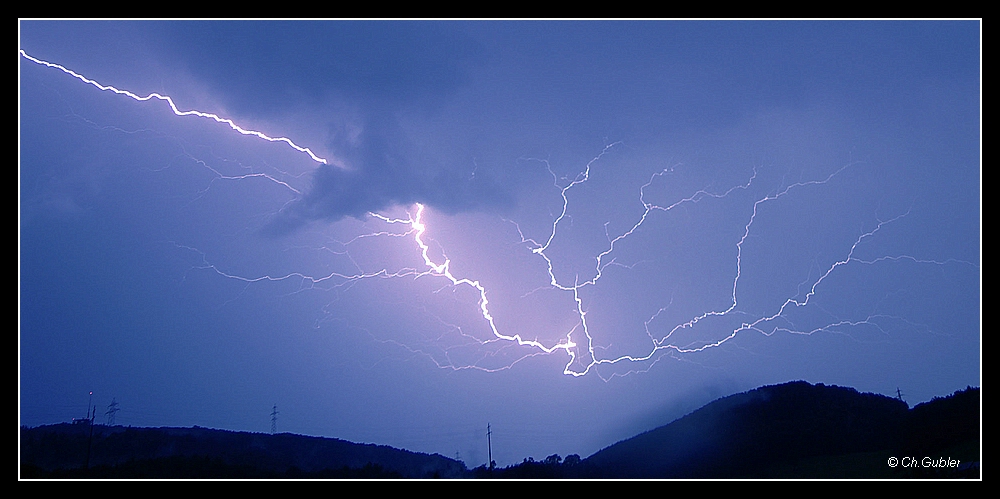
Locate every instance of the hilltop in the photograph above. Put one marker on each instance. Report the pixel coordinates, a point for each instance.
(792, 430)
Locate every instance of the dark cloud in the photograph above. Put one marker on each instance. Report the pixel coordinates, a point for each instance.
(379, 168)
(258, 66)
(380, 71)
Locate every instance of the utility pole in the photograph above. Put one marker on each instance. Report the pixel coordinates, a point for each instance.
(899, 395)
(489, 445)
(90, 440)
(274, 419)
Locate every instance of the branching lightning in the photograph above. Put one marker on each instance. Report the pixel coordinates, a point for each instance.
(578, 342)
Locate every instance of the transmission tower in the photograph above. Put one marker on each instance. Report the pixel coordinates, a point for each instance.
(274, 419)
(112, 409)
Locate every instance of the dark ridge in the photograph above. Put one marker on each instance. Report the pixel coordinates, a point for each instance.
(802, 430)
(60, 451)
(793, 430)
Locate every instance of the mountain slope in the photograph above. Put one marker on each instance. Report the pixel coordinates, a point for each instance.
(795, 429)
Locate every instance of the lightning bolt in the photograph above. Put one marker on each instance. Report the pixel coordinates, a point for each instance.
(582, 353)
(174, 108)
(659, 345)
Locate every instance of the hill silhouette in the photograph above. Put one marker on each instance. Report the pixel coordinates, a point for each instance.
(792, 430)
(61, 451)
(802, 430)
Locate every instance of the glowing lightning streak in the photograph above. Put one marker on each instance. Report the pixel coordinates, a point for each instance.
(443, 270)
(418, 228)
(417, 225)
(662, 344)
(174, 108)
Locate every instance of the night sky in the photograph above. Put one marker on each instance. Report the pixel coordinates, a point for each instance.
(658, 214)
